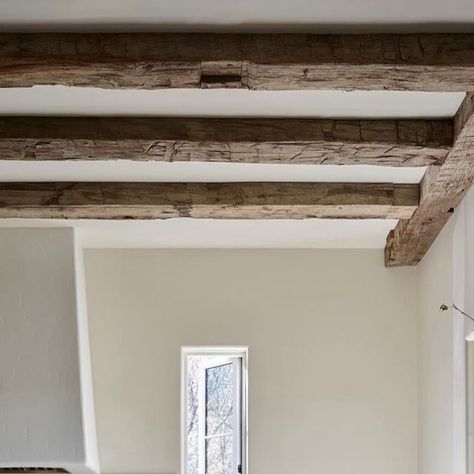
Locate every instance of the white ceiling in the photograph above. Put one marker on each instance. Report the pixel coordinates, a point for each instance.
(243, 15)
(208, 233)
(205, 172)
(225, 15)
(59, 100)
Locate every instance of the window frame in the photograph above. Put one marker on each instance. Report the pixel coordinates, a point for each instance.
(240, 352)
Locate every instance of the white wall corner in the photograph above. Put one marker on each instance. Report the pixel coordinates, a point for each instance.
(87, 394)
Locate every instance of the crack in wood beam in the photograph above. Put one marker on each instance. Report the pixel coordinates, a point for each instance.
(420, 62)
(280, 141)
(259, 200)
(442, 190)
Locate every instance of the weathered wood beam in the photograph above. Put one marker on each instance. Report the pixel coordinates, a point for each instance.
(292, 141)
(267, 200)
(420, 62)
(442, 189)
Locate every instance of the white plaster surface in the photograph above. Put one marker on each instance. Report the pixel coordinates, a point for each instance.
(41, 416)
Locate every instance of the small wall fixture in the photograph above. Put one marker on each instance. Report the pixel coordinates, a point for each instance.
(443, 307)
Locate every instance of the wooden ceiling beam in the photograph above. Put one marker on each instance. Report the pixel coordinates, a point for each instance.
(401, 143)
(418, 62)
(443, 188)
(268, 200)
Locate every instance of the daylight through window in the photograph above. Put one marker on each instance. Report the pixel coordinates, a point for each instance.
(214, 426)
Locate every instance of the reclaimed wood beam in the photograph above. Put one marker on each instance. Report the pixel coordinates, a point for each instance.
(419, 62)
(291, 141)
(267, 200)
(442, 189)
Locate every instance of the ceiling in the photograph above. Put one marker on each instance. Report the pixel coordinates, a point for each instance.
(60, 100)
(211, 233)
(225, 15)
(243, 15)
(57, 100)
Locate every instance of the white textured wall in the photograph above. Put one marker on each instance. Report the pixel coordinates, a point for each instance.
(464, 297)
(41, 421)
(39, 364)
(332, 354)
(435, 350)
(441, 352)
(470, 408)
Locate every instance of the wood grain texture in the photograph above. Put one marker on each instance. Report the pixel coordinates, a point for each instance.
(292, 141)
(421, 62)
(207, 200)
(443, 188)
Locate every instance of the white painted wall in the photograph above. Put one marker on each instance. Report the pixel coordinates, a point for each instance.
(470, 407)
(435, 352)
(464, 298)
(42, 420)
(332, 354)
(443, 278)
(353, 368)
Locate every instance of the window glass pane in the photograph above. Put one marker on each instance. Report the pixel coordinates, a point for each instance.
(219, 455)
(192, 388)
(219, 393)
(210, 414)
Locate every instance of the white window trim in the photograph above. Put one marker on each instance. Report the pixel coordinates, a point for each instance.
(230, 351)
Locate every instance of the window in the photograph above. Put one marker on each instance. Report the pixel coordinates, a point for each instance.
(213, 399)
